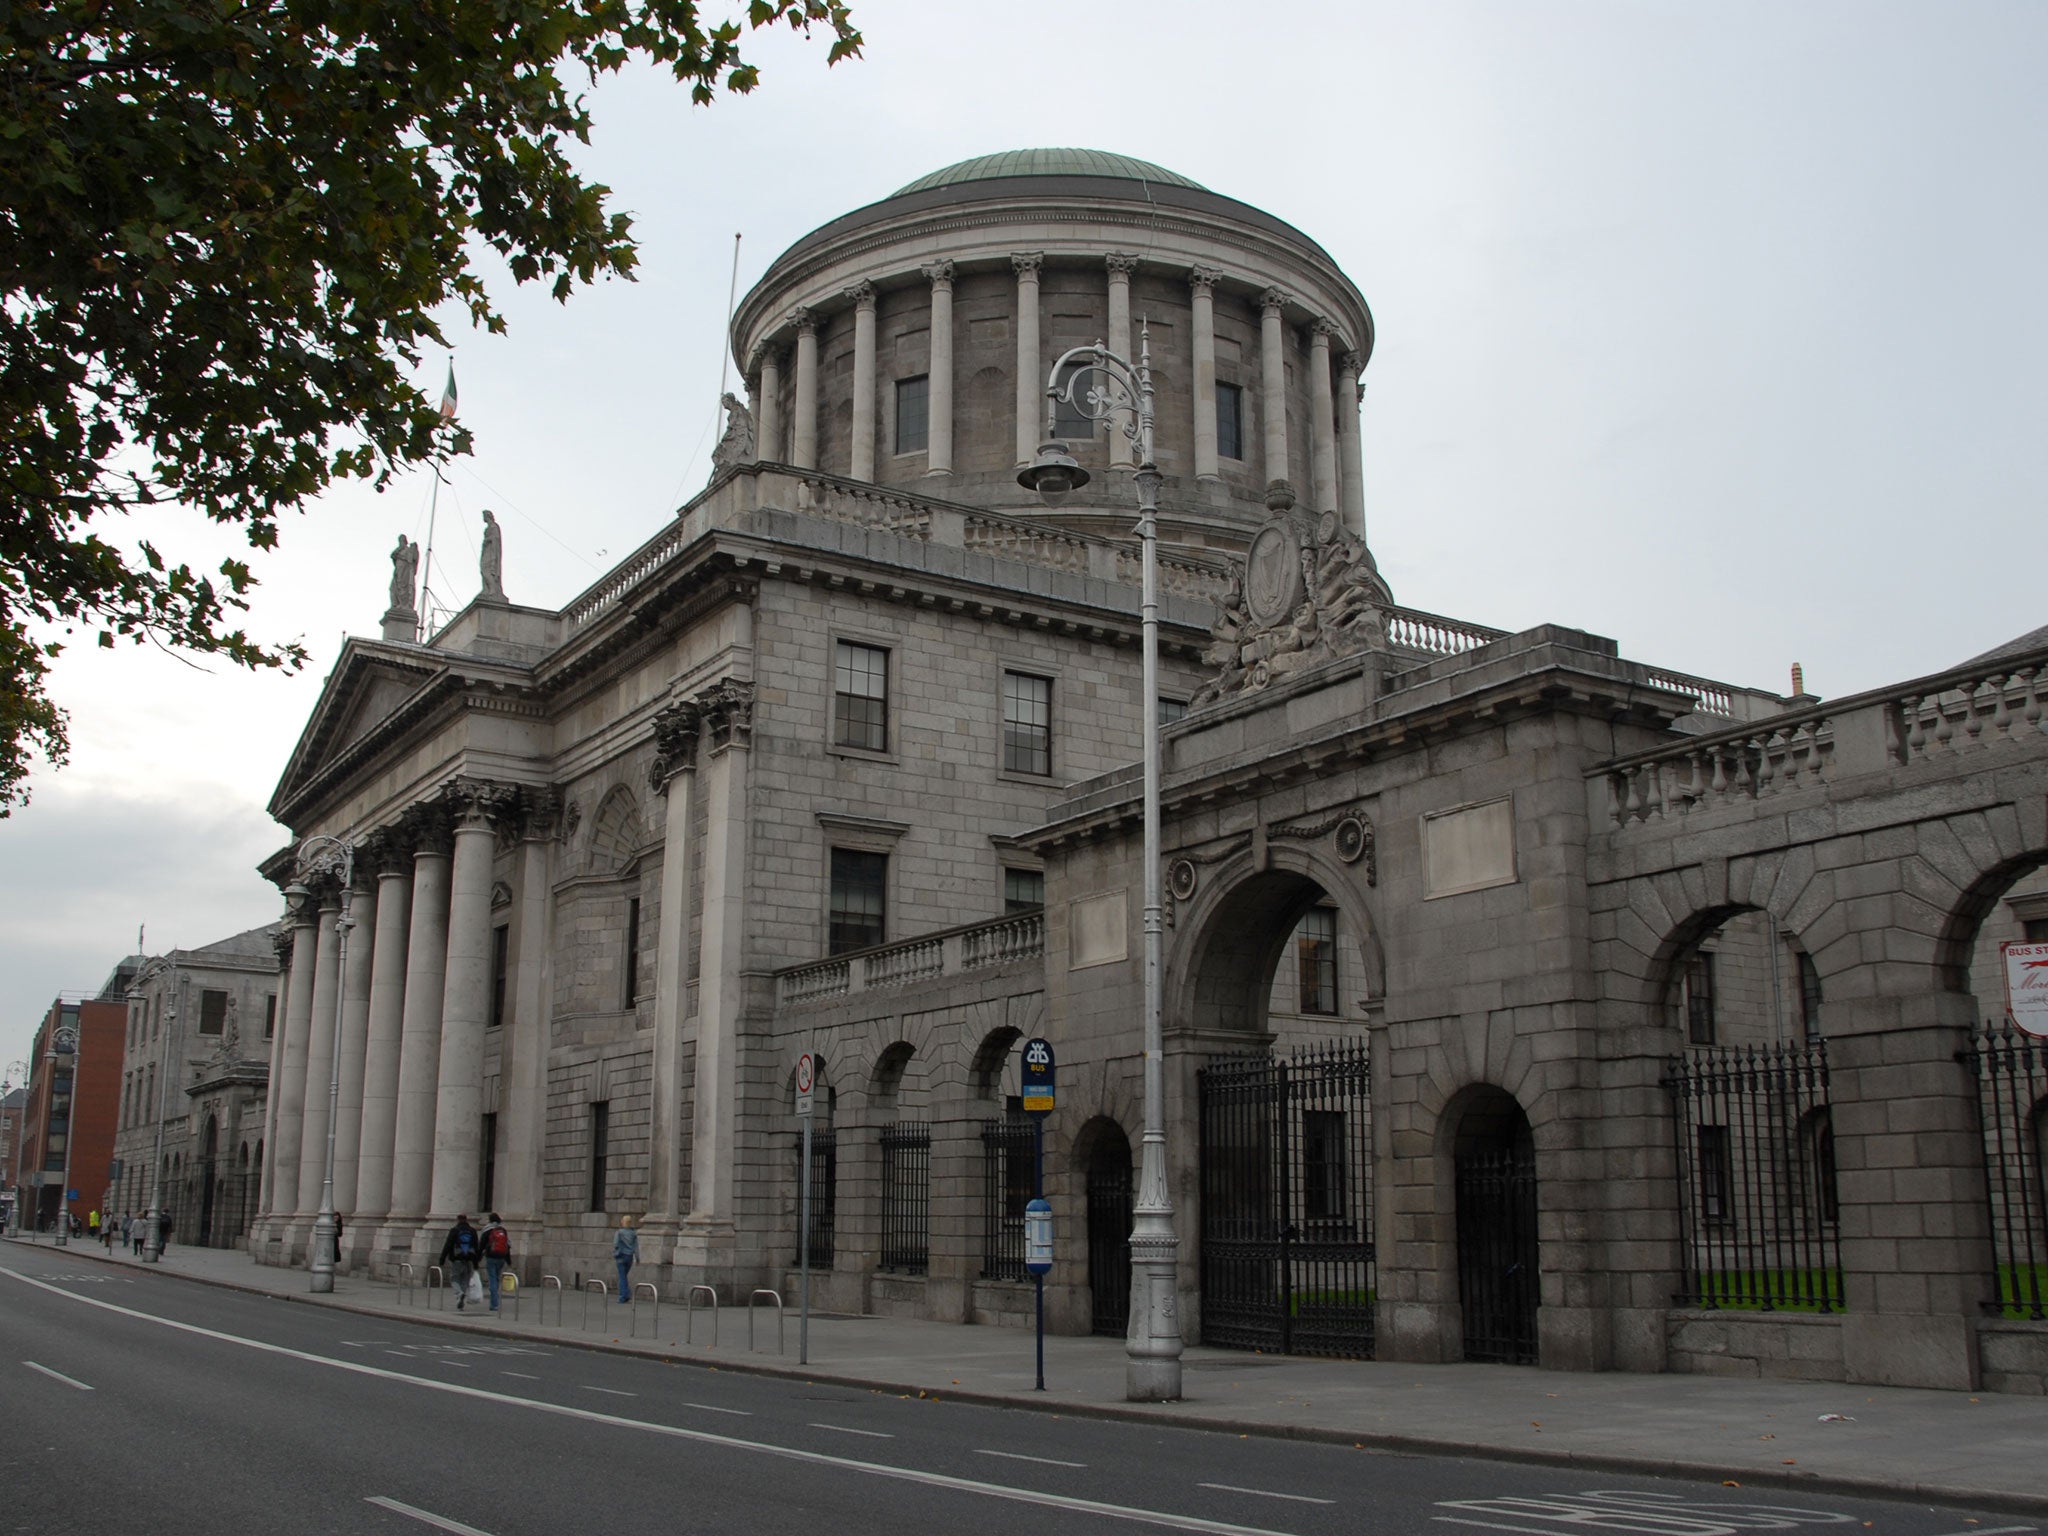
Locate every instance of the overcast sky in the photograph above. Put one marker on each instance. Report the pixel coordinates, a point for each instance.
(1717, 329)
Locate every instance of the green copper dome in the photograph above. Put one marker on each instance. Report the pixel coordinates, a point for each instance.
(1048, 162)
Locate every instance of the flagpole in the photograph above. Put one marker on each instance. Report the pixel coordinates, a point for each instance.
(732, 290)
(426, 612)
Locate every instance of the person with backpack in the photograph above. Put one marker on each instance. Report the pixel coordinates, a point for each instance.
(459, 1254)
(497, 1246)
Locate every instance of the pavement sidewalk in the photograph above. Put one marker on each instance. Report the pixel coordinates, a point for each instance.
(1984, 1450)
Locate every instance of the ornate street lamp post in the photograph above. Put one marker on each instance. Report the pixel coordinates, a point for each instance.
(151, 1249)
(1114, 386)
(324, 855)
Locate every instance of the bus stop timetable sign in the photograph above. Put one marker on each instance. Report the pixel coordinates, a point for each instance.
(1037, 1076)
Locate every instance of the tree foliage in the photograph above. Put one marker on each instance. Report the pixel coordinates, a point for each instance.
(225, 229)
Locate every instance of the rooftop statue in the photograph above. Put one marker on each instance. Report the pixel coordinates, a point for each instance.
(737, 445)
(491, 560)
(405, 570)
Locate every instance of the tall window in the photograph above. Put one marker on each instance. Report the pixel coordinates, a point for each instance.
(600, 1151)
(487, 1181)
(1070, 422)
(1315, 949)
(860, 697)
(1023, 891)
(1027, 723)
(1699, 999)
(269, 1015)
(1717, 1175)
(1809, 997)
(501, 952)
(1229, 421)
(1323, 1164)
(860, 882)
(913, 414)
(631, 978)
(213, 1012)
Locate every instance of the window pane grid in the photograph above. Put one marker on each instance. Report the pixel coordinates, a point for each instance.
(859, 885)
(861, 697)
(1027, 723)
(913, 414)
(1316, 952)
(1229, 421)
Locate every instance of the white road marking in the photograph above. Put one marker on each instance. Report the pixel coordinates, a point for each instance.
(872, 1434)
(520, 1374)
(1264, 1493)
(1645, 1514)
(1043, 1461)
(611, 1392)
(1998, 1530)
(738, 1413)
(56, 1376)
(425, 1516)
(970, 1485)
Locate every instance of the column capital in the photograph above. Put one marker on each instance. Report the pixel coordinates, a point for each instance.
(861, 295)
(804, 320)
(386, 851)
(764, 352)
(1027, 263)
(1275, 298)
(540, 813)
(478, 804)
(281, 941)
(1353, 364)
(676, 730)
(1326, 328)
(426, 828)
(727, 709)
(940, 273)
(1204, 279)
(1120, 263)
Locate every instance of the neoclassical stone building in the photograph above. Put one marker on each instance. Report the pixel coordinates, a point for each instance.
(1523, 1001)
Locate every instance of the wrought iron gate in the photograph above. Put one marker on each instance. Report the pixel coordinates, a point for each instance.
(1109, 1241)
(1497, 1274)
(1287, 1241)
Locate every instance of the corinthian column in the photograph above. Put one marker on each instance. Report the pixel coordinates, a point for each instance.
(804, 451)
(1322, 417)
(1031, 425)
(1202, 283)
(392, 862)
(319, 1066)
(523, 1113)
(939, 443)
(1351, 459)
(863, 455)
(419, 1050)
(1273, 382)
(708, 1237)
(675, 776)
(355, 1039)
(291, 1083)
(1120, 269)
(768, 407)
(465, 1003)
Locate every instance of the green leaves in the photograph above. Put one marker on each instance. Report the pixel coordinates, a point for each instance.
(224, 233)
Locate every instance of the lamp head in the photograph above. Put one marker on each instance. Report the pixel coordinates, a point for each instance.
(295, 894)
(1053, 474)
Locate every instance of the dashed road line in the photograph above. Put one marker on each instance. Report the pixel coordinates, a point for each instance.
(611, 1392)
(425, 1516)
(1265, 1493)
(1043, 1461)
(844, 1429)
(56, 1376)
(738, 1413)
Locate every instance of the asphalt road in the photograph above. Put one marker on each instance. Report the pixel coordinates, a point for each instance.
(136, 1402)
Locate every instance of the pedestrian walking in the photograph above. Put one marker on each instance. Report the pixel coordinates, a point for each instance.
(625, 1253)
(139, 1233)
(107, 1232)
(92, 1224)
(497, 1246)
(163, 1233)
(459, 1253)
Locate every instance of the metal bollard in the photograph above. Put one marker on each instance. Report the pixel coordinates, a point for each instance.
(602, 1287)
(437, 1282)
(690, 1312)
(405, 1284)
(560, 1299)
(633, 1327)
(776, 1296)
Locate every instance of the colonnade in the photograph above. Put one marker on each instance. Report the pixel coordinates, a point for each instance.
(1336, 481)
(409, 1014)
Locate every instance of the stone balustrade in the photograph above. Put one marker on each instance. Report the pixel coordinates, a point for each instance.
(1934, 720)
(624, 577)
(1409, 629)
(951, 952)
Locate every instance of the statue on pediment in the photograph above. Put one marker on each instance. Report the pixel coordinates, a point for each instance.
(737, 445)
(491, 560)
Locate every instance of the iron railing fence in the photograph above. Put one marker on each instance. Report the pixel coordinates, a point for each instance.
(2012, 1102)
(824, 1193)
(1755, 1148)
(1287, 1239)
(1008, 1151)
(906, 1198)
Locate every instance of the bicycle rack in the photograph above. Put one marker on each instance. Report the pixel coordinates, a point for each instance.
(633, 1327)
(437, 1282)
(690, 1312)
(775, 1296)
(405, 1279)
(602, 1287)
(560, 1299)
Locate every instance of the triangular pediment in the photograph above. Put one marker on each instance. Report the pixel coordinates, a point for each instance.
(370, 685)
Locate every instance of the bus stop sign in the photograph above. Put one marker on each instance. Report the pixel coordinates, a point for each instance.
(1037, 1076)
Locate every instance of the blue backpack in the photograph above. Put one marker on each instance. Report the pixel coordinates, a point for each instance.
(465, 1244)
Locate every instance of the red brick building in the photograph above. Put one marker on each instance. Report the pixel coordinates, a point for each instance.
(73, 1100)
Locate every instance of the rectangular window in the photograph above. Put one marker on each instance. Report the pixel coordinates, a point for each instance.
(860, 697)
(1069, 422)
(1023, 890)
(1717, 1175)
(631, 979)
(1171, 710)
(2035, 930)
(213, 1012)
(486, 1191)
(501, 953)
(1315, 950)
(1027, 723)
(1323, 1166)
(269, 1015)
(1699, 999)
(1809, 997)
(860, 883)
(913, 414)
(600, 1151)
(1229, 421)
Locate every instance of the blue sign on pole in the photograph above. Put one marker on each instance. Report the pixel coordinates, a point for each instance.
(1037, 1076)
(1038, 1236)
